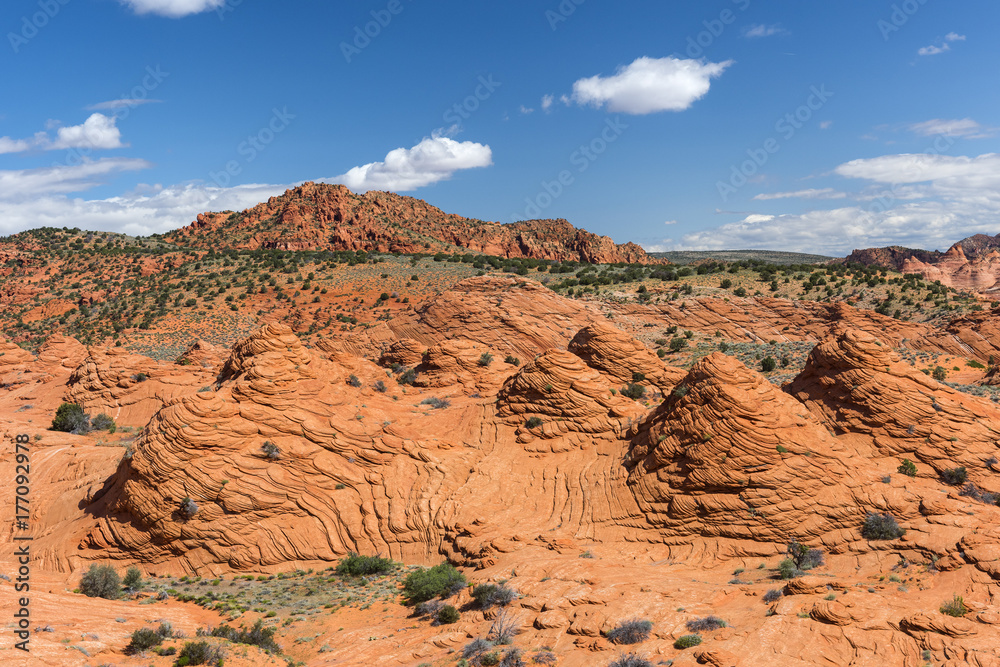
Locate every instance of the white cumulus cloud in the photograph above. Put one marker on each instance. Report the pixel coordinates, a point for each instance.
(432, 160)
(172, 8)
(97, 132)
(649, 85)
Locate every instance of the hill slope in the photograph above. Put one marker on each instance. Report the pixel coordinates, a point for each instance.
(317, 216)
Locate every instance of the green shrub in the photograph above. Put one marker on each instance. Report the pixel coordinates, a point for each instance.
(70, 418)
(881, 527)
(448, 615)
(355, 566)
(678, 344)
(954, 476)
(485, 359)
(439, 581)
(133, 578)
(633, 391)
(408, 376)
(706, 624)
(632, 631)
(200, 653)
(270, 450)
(101, 581)
(939, 374)
(804, 557)
(512, 360)
(493, 595)
(787, 569)
(629, 660)
(257, 635)
(955, 607)
(768, 364)
(907, 467)
(143, 639)
(353, 380)
(104, 422)
(533, 422)
(687, 641)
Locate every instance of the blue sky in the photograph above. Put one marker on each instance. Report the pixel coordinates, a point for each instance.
(817, 127)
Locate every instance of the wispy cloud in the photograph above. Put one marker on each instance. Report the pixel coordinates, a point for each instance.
(649, 85)
(172, 8)
(112, 105)
(758, 30)
(942, 47)
(965, 128)
(813, 193)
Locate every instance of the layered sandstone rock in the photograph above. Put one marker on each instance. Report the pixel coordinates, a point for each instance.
(620, 357)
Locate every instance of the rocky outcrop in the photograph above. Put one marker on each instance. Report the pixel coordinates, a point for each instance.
(856, 384)
(513, 316)
(317, 216)
(130, 388)
(621, 357)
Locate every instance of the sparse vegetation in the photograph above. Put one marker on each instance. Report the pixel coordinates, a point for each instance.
(955, 607)
(101, 581)
(439, 581)
(907, 467)
(632, 631)
(356, 566)
(687, 641)
(70, 418)
(954, 476)
(881, 527)
(706, 624)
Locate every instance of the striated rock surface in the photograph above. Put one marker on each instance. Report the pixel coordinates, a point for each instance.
(129, 387)
(509, 315)
(857, 384)
(733, 456)
(619, 356)
(458, 362)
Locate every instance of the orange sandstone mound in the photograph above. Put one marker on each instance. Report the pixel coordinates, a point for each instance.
(620, 356)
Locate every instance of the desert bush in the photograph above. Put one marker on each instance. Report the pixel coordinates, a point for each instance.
(380, 387)
(257, 635)
(188, 508)
(476, 647)
(270, 450)
(512, 360)
(407, 377)
(633, 391)
(630, 660)
(768, 364)
(678, 344)
(512, 658)
(355, 566)
(804, 557)
(70, 418)
(143, 639)
(429, 608)
(544, 657)
(353, 380)
(485, 359)
(436, 403)
(881, 527)
(439, 581)
(907, 467)
(955, 607)
(104, 422)
(970, 490)
(954, 476)
(706, 624)
(772, 595)
(133, 578)
(200, 653)
(687, 641)
(447, 615)
(533, 422)
(632, 631)
(939, 374)
(493, 595)
(505, 625)
(101, 581)
(787, 569)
